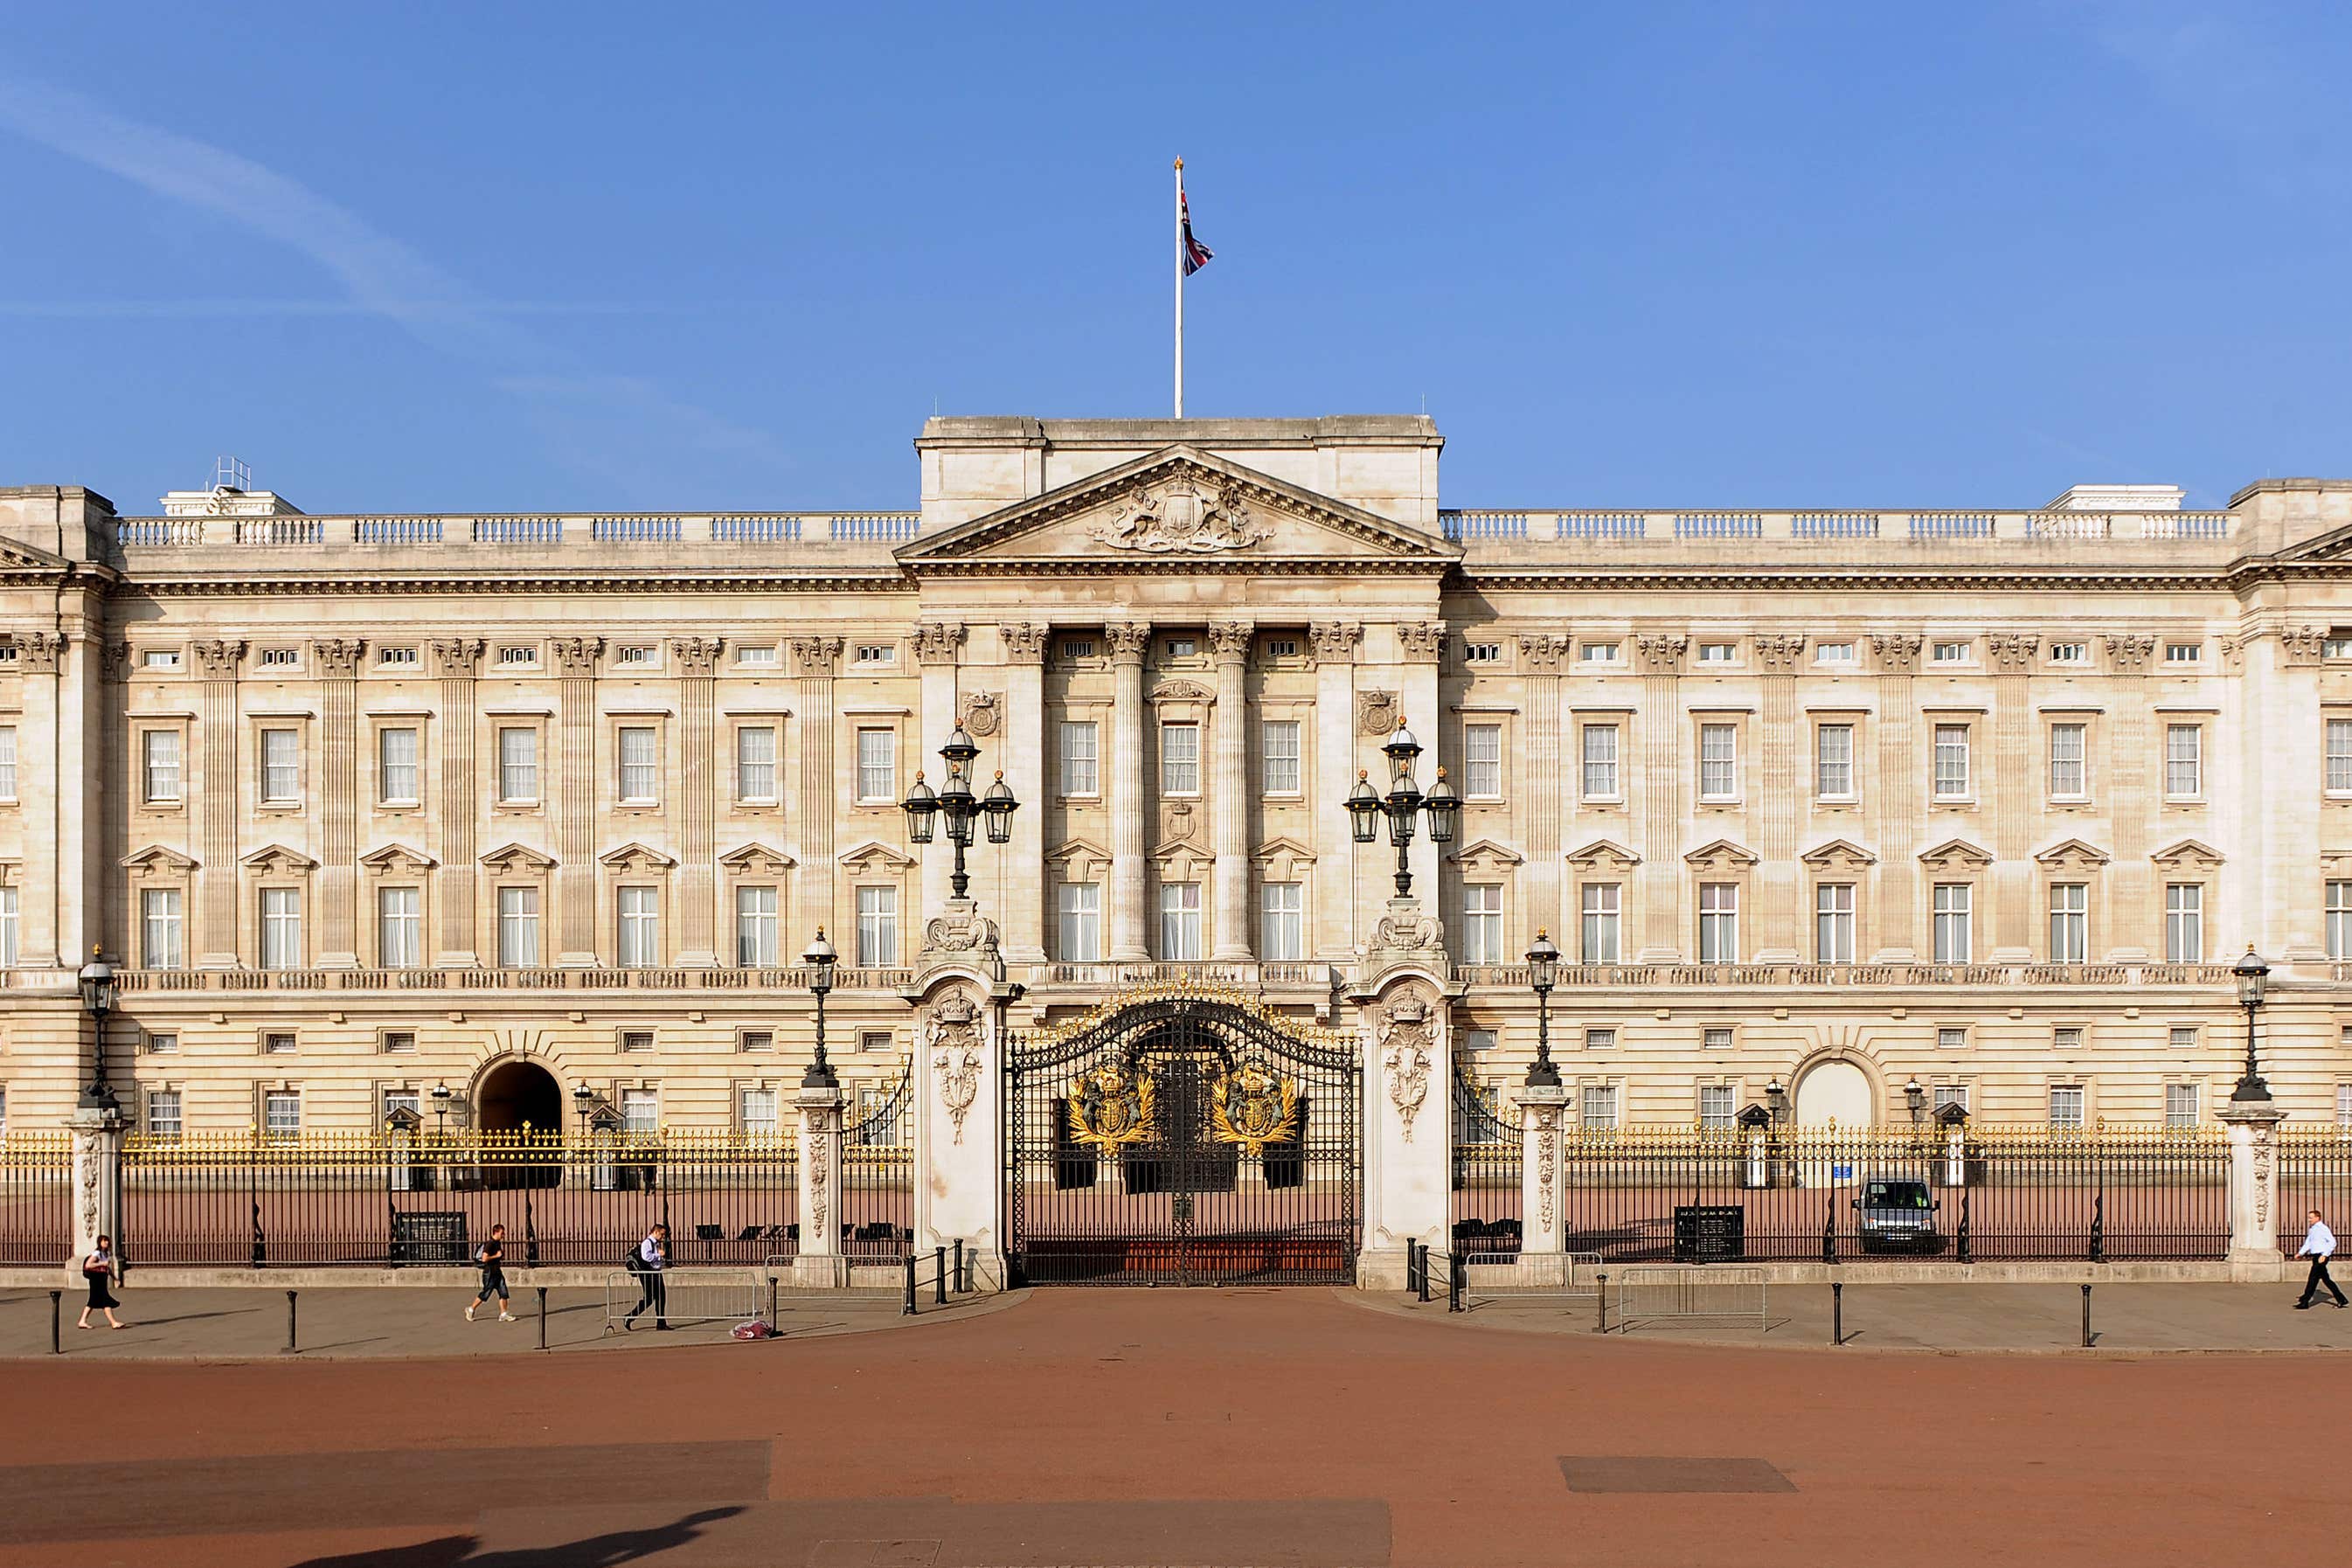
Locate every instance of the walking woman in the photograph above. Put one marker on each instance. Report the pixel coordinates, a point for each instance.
(101, 1269)
(653, 1256)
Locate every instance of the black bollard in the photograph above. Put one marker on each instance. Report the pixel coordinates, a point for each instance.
(962, 1285)
(1424, 1271)
(1600, 1299)
(1837, 1312)
(907, 1304)
(2087, 1317)
(938, 1277)
(57, 1298)
(1456, 1271)
(292, 1346)
(772, 1324)
(543, 1317)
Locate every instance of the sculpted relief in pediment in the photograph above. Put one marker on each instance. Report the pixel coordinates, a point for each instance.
(1184, 516)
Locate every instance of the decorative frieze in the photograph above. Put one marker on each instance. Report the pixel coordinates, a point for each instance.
(1407, 1035)
(1661, 653)
(1335, 642)
(938, 642)
(1419, 639)
(951, 1037)
(1897, 652)
(1024, 641)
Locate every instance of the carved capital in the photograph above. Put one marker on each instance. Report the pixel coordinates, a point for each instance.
(118, 661)
(2127, 652)
(1545, 651)
(1898, 652)
(1128, 641)
(815, 655)
(217, 660)
(36, 652)
(695, 655)
(576, 656)
(337, 659)
(1230, 640)
(1661, 653)
(455, 659)
(937, 642)
(2301, 647)
(1024, 641)
(2014, 652)
(1335, 642)
(1419, 639)
(1776, 653)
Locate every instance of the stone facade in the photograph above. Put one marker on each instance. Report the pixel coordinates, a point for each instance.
(366, 804)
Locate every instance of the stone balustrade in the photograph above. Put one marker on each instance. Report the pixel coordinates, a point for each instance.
(1485, 526)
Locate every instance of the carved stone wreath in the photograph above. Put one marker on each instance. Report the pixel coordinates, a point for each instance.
(1406, 1032)
(954, 1035)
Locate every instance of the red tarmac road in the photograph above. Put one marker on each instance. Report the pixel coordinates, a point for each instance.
(1319, 1434)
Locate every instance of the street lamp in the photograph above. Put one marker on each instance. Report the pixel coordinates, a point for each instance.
(1777, 1096)
(1403, 803)
(583, 1100)
(1914, 1095)
(2253, 976)
(98, 994)
(440, 1109)
(820, 958)
(955, 803)
(1543, 970)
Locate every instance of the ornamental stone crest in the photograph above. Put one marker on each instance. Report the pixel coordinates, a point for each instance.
(1182, 519)
(954, 1039)
(983, 714)
(1376, 713)
(1408, 930)
(961, 929)
(1406, 1034)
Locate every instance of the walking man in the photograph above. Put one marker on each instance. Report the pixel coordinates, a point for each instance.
(2320, 1245)
(492, 1255)
(653, 1256)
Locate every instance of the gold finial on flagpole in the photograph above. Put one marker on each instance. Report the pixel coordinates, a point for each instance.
(1180, 162)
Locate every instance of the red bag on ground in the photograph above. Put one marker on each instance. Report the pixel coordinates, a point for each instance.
(757, 1329)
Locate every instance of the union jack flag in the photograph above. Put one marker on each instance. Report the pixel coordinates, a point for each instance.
(1196, 254)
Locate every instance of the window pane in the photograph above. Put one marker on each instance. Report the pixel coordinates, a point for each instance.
(877, 767)
(399, 928)
(1179, 759)
(2066, 773)
(2181, 759)
(518, 764)
(755, 763)
(1601, 761)
(1833, 922)
(160, 765)
(640, 927)
(1482, 923)
(7, 762)
(1718, 922)
(1951, 760)
(279, 773)
(1079, 775)
(517, 928)
(1833, 760)
(1282, 936)
(2184, 923)
(1081, 922)
(877, 927)
(1952, 922)
(159, 912)
(1482, 762)
(638, 773)
(1279, 738)
(396, 770)
(1718, 776)
(755, 927)
(281, 928)
(1179, 921)
(2339, 755)
(1600, 921)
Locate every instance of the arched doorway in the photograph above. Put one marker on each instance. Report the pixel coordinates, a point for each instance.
(516, 1094)
(1835, 1091)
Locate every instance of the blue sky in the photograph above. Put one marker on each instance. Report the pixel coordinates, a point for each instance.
(474, 258)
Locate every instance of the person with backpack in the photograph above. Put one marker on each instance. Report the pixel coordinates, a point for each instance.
(491, 1256)
(646, 1261)
(100, 1271)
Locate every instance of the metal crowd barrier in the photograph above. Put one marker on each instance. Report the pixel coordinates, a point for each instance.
(688, 1296)
(1718, 1294)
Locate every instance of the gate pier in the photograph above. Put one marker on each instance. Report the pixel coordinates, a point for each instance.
(1407, 1052)
(960, 1119)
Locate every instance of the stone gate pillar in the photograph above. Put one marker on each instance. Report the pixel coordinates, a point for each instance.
(97, 1134)
(2253, 1185)
(1543, 1225)
(1408, 1105)
(959, 1094)
(818, 1262)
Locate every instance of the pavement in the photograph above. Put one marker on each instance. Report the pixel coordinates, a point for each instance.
(1233, 1428)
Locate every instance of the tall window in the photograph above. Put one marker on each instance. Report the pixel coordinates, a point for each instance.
(396, 770)
(2339, 756)
(1282, 933)
(1951, 761)
(640, 781)
(1718, 922)
(1599, 901)
(1482, 762)
(1080, 760)
(640, 1112)
(1597, 1108)
(2184, 922)
(1179, 921)
(399, 928)
(1833, 761)
(1833, 922)
(640, 914)
(2070, 922)
(2180, 1105)
(518, 764)
(1482, 923)
(1715, 1109)
(2339, 920)
(755, 762)
(517, 928)
(1600, 762)
(2183, 764)
(877, 927)
(2066, 1106)
(2068, 780)
(9, 949)
(878, 766)
(758, 1112)
(163, 1113)
(1179, 759)
(281, 1115)
(755, 926)
(159, 765)
(160, 945)
(1718, 762)
(281, 772)
(7, 762)
(1954, 903)
(281, 928)
(1080, 909)
(1278, 746)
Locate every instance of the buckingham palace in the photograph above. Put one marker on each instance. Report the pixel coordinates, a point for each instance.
(490, 817)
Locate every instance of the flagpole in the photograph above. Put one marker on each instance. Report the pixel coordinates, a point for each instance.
(1179, 251)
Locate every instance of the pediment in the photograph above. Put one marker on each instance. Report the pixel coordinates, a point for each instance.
(397, 858)
(1179, 508)
(1603, 853)
(1844, 853)
(155, 860)
(1957, 852)
(2072, 852)
(276, 859)
(1183, 860)
(18, 556)
(2188, 852)
(636, 856)
(517, 858)
(873, 854)
(1721, 854)
(755, 859)
(1485, 855)
(1282, 858)
(1081, 860)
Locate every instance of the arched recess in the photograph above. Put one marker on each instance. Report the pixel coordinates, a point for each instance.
(1836, 1089)
(515, 1093)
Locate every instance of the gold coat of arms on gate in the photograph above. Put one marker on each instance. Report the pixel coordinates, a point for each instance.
(1110, 1108)
(1253, 1107)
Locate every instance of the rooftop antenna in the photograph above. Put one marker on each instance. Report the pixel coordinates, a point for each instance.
(229, 474)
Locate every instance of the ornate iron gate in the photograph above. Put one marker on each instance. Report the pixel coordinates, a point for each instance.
(1183, 1139)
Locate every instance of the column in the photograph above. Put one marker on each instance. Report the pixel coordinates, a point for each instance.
(1898, 796)
(1779, 877)
(1128, 804)
(47, 878)
(2128, 914)
(1408, 1099)
(215, 802)
(2282, 734)
(816, 803)
(575, 798)
(1543, 1227)
(1418, 644)
(1665, 793)
(457, 801)
(337, 661)
(959, 1124)
(698, 661)
(1028, 772)
(2011, 779)
(938, 647)
(1335, 644)
(1543, 775)
(1229, 791)
(2252, 1127)
(97, 1135)
(819, 1263)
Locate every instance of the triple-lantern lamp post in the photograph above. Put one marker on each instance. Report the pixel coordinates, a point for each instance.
(1403, 805)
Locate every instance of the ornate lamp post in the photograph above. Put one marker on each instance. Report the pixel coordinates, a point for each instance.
(98, 995)
(440, 1110)
(961, 808)
(2253, 976)
(583, 1100)
(1402, 804)
(1543, 972)
(1915, 1096)
(821, 958)
(1777, 1096)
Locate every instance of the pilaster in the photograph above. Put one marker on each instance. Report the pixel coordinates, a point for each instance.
(1780, 877)
(1028, 773)
(1896, 798)
(216, 803)
(97, 1135)
(815, 805)
(1335, 644)
(336, 661)
(697, 661)
(575, 797)
(1543, 1229)
(1229, 792)
(2127, 915)
(44, 735)
(456, 663)
(1665, 794)
(939, 647)
(1128, 803)
(2009, 776)
(1544, 774)
(2253, 1129)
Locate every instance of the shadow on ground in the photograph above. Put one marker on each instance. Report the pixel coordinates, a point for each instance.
(608, 1551)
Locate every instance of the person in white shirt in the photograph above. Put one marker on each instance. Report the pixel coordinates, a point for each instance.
(2320, 1245)
(652, 1257)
